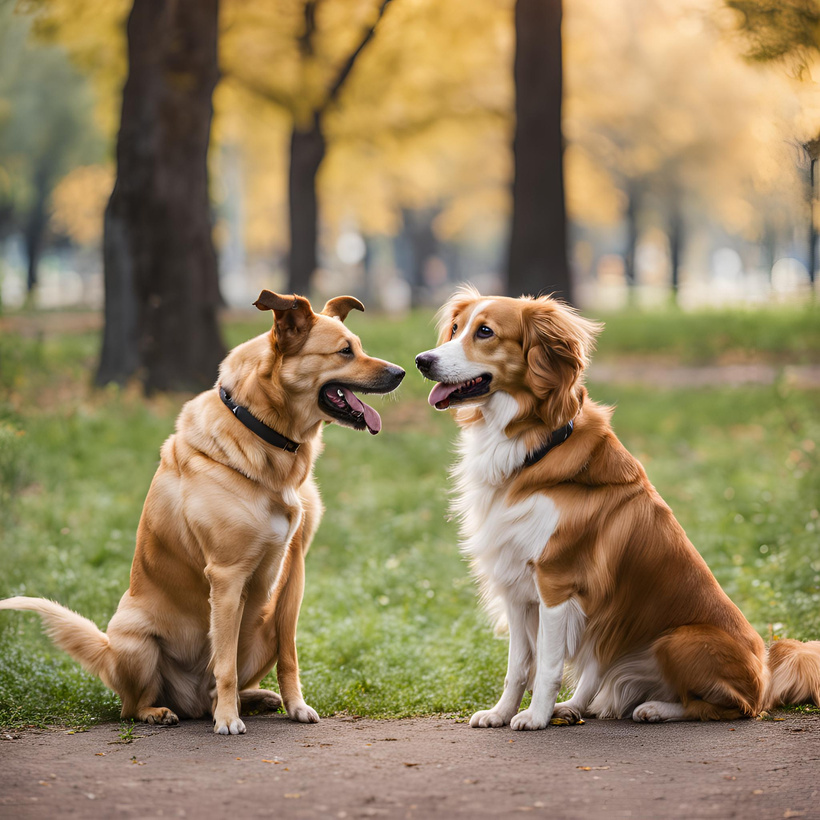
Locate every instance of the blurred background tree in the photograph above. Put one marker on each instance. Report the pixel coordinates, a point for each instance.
(538, 237)
(161, 284)
(788, 31)
(46, 130)
(611, 152)
(298, 66)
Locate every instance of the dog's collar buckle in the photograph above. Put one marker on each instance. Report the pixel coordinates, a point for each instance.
(253, 424)
(557, 437)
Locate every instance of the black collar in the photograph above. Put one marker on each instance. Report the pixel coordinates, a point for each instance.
(557, 437)
(253, 424)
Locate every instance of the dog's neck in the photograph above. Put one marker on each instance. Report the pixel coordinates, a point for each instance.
(256, 387)
(498, 442)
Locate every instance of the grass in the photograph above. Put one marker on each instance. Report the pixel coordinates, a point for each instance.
(390, 625)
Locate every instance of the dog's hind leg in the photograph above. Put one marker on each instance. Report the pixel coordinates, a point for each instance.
(255, 701)
(659, 711)
(715, 675)
(138, 678)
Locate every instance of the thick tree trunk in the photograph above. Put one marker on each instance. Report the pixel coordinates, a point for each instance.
(538, 242)
(307, 150)
(161, 285)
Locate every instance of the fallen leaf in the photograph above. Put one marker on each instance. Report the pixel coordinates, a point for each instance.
(592, 768)
(293, 796)
(268, 761)
(412, 764)
(99, 754)
(469, 781)
(758, 791)
(559, 722)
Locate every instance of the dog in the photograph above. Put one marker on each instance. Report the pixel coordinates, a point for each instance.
(218, 571)
(573, 545)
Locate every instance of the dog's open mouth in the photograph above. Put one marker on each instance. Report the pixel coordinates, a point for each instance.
(443, 395)
(341, 403)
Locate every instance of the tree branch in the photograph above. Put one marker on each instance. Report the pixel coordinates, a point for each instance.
(271, 95)
(345, 70)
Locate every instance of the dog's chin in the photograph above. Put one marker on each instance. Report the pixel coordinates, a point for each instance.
(472, 391)
(344, 407)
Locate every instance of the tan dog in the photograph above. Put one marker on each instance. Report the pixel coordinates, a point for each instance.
(573, 544)
(218, 572)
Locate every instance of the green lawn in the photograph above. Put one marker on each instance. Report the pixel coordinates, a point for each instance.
(390, 625)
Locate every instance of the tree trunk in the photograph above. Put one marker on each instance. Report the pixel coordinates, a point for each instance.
(538, 242)
(161, 284)
(632, 209)
(676, 237)
(34, 233)
(307, 150)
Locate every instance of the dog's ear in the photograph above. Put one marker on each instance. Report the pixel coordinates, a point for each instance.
(557, 343)
(293, 319)
(341, 306)
(451, 308)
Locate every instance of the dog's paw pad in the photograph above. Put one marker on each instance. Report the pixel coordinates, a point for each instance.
(566, 713)
(648, 713)
(303, 714)
(488, 719)
(229, 726)
(161, 716)
(526, 721)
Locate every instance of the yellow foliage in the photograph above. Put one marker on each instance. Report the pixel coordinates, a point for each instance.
(78, 203)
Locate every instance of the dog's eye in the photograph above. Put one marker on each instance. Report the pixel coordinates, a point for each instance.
(453, 331)
(347, 351)
(484, 332)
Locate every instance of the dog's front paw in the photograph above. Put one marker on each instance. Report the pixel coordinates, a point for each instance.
(302, 713)
(528, 721)
(488, 719)
(228, 725)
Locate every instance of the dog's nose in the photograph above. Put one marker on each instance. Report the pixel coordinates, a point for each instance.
(424, 361)
(396, 373)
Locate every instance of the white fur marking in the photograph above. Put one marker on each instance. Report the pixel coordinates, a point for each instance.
(452, 364)
(549, 666)
(657, 711)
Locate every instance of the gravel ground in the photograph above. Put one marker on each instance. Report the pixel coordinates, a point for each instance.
(421, 768)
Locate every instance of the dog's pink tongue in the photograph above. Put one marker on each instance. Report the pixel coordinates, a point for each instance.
(440, 394)
(371, 418)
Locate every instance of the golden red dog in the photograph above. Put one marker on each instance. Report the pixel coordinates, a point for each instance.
(218, 572)
(573, 544)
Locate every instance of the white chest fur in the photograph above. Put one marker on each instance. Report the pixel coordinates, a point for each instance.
(500, 538)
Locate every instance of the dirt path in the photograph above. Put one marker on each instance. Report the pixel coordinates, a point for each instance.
(425, 768)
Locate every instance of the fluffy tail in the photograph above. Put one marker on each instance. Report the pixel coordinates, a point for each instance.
(72, 633)
(795, 673)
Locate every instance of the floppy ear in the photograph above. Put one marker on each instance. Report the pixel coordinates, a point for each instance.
(341, 306)
(293, 319)
(557, 343)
